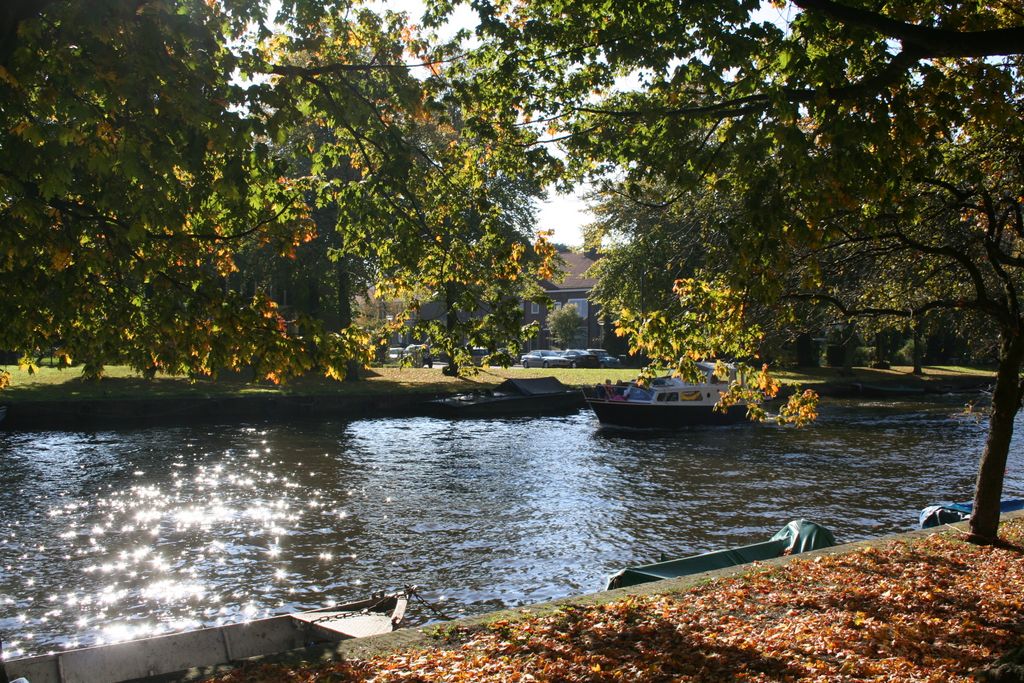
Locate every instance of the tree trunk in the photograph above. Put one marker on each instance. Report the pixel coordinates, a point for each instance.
(451, 324)
(806, 351)
(918, 352)
(608, 327)
(850, 343)
(344, 279)
(313, 296)
(1006, 399)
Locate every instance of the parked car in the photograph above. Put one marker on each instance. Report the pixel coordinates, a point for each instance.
(581, 359)
(544, 359)
(477, 353)
(606, 359)
(420, 355)
(396, 353)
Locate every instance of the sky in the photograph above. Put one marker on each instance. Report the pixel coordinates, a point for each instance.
(564, 214)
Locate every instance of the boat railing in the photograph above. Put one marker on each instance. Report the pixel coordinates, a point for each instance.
(606, 391)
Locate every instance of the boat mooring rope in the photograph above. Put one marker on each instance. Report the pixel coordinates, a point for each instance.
(412, 592)
(335, 616)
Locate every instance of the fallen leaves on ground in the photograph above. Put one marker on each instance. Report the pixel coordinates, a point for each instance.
(934, 609)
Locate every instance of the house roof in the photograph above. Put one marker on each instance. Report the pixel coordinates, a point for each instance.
(576, 265)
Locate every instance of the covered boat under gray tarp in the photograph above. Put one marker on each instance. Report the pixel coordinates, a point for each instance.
(525, 396)
(796, 537)
(532, 386)
(951, 513)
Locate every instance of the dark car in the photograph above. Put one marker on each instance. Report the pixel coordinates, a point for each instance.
(606, 359)
(581, 359)
(544, 359)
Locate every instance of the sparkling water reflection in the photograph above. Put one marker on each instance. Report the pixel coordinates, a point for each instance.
(117, 535)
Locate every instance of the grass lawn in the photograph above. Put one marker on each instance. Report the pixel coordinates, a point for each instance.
(121, 382)
(896, 375)
(48, 384)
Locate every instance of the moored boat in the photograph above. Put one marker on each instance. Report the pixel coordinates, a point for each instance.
(527, 396)
(796, 537)
(668, 403)
(951, 513)
(208, 647)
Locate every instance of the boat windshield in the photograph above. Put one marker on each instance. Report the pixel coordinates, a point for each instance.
(636, 393)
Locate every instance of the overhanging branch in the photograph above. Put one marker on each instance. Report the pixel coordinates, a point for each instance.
(930, 41)
(759, 102)
(341, 68)
(853, 311)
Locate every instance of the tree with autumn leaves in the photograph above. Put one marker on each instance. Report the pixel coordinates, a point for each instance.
(442, 212)
(145, 150)
(869, 156)
(129, 175)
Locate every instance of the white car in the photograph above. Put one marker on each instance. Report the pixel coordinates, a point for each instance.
(544, 359)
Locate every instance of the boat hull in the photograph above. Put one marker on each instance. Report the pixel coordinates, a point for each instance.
(179, 652)
(516, 396)
(796, 537)
(951, 513)
(507, 406)
(659, 416)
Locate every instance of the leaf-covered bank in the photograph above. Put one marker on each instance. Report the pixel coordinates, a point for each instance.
(931, 609)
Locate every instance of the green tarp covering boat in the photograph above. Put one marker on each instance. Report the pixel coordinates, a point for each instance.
(796, 537)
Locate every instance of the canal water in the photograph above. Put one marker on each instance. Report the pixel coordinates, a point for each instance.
(112, 535)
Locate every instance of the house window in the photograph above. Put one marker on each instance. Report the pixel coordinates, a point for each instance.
(535, 308)
(581, 307)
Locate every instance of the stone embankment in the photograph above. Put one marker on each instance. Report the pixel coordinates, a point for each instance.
(116, 413)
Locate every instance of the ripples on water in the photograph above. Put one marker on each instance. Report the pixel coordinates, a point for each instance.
(115, 535)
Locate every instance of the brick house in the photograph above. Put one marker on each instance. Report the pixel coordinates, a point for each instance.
(574, 289)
